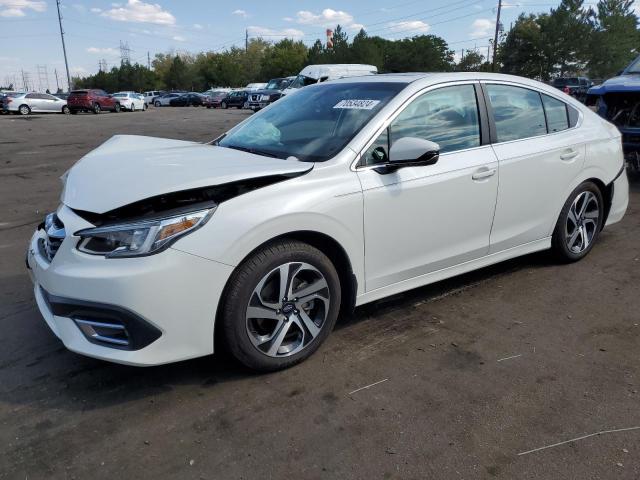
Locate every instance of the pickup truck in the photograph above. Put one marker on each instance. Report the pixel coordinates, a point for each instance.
(618, 100)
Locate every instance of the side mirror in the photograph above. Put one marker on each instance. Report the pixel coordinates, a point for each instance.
(410, 152)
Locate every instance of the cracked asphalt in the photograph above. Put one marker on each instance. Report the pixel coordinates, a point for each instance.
(473, 371)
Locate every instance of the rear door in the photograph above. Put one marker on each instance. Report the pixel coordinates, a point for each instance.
(539, 153)
(34, 102)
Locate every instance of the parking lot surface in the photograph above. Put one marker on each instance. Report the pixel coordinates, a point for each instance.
(465, 375)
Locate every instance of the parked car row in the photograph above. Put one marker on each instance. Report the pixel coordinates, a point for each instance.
(89, 100)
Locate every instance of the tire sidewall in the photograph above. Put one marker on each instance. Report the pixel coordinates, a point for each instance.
(242, 284)
(559, 243)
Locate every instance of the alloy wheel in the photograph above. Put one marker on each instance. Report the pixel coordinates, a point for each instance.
(582, 222)
(287, 309)
(24, 110)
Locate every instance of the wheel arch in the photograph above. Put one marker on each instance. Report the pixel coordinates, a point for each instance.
(327, 245)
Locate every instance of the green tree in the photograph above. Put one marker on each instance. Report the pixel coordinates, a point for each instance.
(522, 51)
(471, 62)
(285, 58)
(615, 40)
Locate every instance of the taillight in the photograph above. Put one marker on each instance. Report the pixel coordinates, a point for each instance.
(9, 99)
(566, 90)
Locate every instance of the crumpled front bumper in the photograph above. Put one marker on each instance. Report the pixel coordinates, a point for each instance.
(174, 292)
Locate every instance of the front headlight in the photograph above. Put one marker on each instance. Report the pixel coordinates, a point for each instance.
(264, 98)
(140, 238)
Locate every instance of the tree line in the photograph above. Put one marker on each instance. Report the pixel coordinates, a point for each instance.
(570, 39)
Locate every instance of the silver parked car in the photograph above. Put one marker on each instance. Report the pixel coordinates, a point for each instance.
(25, 103)
(163, 101)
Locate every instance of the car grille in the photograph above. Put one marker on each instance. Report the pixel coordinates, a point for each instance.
(255, 98)
(54, 235)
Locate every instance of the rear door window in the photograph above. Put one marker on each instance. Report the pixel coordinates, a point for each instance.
(557, 115)
(517, 112)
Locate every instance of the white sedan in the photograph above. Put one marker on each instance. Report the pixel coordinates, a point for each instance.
(340, 194)
(131, 101)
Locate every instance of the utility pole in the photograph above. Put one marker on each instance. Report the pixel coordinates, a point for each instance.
(64, 48)
(148, 60)
(24, 82)
(246, 40)
(495, 37)
(55, 71)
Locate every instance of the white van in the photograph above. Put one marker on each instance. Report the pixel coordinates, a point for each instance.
(321, 73)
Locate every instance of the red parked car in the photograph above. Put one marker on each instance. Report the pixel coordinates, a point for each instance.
(93, 100)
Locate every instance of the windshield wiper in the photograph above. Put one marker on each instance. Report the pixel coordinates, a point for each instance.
(255, 151)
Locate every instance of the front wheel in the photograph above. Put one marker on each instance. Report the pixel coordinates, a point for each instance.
(116, 108)
(96, 108)
(579, 224)
(24, 110)
(224, 105)
(66, 110)
(280, 305)
(157, 104)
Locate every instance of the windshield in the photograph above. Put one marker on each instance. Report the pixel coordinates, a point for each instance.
(302, 81)
(313, 124)
(561, 82)
(120, 95)
(634, 67)
(277, 84)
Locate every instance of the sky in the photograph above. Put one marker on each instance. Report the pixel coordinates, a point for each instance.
(96, 29)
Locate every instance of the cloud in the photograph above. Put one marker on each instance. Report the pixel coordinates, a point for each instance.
(268, 32)
(103, 51)
(413, 26)
(79, 7)
(96, 10)
(78, 71)
(482, 27)
(140, 12)
(287, 19)
(197, 26)
(179, 38)
(16, 8)
(240, 13)
(327, 18)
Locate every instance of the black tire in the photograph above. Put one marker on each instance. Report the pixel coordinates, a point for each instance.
(559, 240)
(74, 112)
(157, 104)
(224, 105)
(66, 110)
(116, 108)
(239, 107)
(241, 287)
(96, 108)
(24, 110)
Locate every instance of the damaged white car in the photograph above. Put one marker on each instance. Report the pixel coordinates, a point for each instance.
(340, 194)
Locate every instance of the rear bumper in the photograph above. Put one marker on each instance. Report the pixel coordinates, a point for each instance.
(620, 199)
(167, 302)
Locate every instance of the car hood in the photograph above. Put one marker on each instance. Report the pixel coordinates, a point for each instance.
(621, 83)
(129, 168)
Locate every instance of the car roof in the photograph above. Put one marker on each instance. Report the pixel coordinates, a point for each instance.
(428, 78)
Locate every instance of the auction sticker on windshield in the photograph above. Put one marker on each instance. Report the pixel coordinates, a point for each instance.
(357, 104)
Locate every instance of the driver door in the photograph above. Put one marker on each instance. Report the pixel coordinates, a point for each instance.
(418, 220)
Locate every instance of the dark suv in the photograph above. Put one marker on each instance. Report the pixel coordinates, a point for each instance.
(272, 92)
(234, 99)
(92, 100)
(575, 86)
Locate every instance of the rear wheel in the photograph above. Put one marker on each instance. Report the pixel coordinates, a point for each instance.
(157, 104)
(66, 110)
(116, 108)
(224, 105)
(24, 110)
(280, 305)
(579, 224)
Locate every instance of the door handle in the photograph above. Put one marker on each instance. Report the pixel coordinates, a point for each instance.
(569, 155)
(483, 173)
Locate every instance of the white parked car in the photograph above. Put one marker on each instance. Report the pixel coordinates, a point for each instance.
(150, 96)
(26, 103)
(131, 101)
(339, 195)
